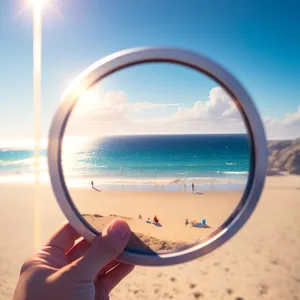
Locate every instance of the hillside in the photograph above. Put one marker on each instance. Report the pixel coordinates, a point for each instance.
(284, 157)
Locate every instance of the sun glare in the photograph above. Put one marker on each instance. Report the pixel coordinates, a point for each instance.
(72, 144)
(37, 3)
(87, 98)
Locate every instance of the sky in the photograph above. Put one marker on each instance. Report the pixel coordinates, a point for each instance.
(155, 98)
(259, 44)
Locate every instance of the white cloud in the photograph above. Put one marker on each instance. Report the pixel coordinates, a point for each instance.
(293, 118)
(114, 99)
(149, 105)
(219, 106)
(113, 114)
(114, 106)
(287, 127)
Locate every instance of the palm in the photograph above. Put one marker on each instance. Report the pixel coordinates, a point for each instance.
(51, 259)
(69, 271)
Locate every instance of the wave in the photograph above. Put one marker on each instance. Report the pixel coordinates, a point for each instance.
(25, 161)
(230, 163)
(6, 163)
(236, 172)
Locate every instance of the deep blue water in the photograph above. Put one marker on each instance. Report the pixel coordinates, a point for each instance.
(146, 157)
(162, 156)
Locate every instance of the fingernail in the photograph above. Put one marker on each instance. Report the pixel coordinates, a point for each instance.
(119, 228)
(65, 222)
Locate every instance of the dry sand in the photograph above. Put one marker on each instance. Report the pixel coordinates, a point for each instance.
(261, 262)
(171, 208)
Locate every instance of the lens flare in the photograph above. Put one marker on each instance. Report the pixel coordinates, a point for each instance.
(37, 3)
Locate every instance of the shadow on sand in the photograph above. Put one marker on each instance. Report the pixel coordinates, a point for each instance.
(201, 226)
(136, 245)
(96, 189)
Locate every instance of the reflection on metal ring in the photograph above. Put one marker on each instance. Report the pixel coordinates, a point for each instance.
(258, 147)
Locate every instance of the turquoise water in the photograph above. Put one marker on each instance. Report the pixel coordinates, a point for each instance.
(17, 161)
(146, 159)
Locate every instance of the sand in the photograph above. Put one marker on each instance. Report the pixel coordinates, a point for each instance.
(171, 208)
(261, 262)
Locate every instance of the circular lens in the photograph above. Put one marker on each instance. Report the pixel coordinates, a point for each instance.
(162, 146)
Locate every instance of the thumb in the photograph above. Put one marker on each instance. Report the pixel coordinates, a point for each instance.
(104, 249)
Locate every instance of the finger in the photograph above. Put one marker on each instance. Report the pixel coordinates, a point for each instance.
(62, 240)
(112, 278)
(107, 268)
(78, 250)
(104, 249)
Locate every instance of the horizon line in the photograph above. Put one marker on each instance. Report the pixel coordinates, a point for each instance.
(28, 144)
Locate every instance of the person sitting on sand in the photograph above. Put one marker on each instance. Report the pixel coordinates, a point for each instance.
(140, 216)
(148, 221)
(155, 219)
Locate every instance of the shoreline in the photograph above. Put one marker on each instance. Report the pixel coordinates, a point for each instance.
(117, 183)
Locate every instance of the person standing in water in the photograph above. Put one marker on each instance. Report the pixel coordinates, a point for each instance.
(193, 188)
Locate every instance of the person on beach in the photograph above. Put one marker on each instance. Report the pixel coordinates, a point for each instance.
(92, 183)
(63, 269)
(193, 188)
(186, 222)
(155, 219)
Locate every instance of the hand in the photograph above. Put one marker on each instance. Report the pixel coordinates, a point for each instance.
(64, 270)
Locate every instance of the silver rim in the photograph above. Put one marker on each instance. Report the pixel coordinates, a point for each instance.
(258, 147)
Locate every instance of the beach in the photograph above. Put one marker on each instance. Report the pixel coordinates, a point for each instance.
(171, 208)
(261, 262)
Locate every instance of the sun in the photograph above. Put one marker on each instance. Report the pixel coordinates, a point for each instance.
(37, 3)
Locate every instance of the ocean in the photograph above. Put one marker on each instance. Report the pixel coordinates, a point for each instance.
(143, 162)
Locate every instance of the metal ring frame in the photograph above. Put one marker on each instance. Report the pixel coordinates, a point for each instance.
(258, 148)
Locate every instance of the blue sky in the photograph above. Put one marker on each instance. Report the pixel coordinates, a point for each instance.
(258, 43)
